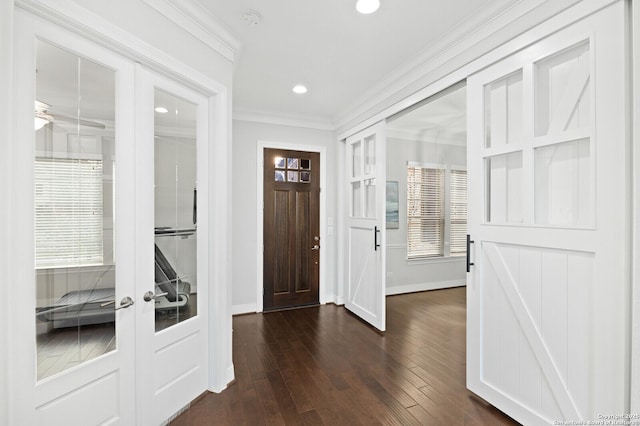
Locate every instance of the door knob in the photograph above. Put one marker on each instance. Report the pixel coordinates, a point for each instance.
(124, 303)
(316, 247)
(149, 296)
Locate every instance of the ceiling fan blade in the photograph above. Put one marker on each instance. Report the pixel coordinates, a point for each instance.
(73, 120)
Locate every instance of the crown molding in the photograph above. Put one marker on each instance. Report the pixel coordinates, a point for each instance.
(442, 138)
(242, 114)
(194, 18)
(468, 41)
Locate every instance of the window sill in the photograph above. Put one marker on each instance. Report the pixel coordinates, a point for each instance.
(435, 259)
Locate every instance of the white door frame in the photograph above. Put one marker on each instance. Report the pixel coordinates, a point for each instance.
(261, 146)
(635, 222)
(6, 109)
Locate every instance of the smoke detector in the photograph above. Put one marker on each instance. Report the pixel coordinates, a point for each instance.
(251, 17)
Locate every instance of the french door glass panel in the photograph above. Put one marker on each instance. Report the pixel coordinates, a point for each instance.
(74, 210)
(175, 209)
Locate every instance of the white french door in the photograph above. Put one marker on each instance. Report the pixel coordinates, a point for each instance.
(73, 352)
(549, 219)
(366, 186)
(171, 176)
(110, 316)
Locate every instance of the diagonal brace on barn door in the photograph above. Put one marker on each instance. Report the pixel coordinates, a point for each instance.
(531, 332)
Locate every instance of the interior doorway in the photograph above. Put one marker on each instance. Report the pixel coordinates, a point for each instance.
(426, 201)
(291, 231)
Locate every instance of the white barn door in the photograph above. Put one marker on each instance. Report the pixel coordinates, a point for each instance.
(365, 186)
(548, 316)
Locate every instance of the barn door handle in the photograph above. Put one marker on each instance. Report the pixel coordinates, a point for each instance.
(375, 238)
(469, 263)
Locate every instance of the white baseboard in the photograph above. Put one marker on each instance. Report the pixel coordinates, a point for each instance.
(412, 288)
(230, 375)
(247, 308)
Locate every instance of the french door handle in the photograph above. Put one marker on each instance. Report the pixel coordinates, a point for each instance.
(469, 263)
(375, 238)
(124, 303)
(149, 296)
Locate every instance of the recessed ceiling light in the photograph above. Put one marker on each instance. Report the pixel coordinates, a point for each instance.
(299, 89)
(161, 110)
(367, 6)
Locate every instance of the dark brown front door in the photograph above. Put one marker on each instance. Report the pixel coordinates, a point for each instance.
(291, 228)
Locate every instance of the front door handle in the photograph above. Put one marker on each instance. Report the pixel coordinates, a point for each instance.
(124, 303)
(149, 296)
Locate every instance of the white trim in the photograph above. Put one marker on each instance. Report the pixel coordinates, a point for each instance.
(413, 288)
(412, 136)
(246, 308)
(220, 269)
(241, 114)
(635, 197)
(197, 20)
(72, 16)
(6, 176)
(261, 145)
(472, 61)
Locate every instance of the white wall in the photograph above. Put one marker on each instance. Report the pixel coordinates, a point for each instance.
(246, 135)
(405, 275)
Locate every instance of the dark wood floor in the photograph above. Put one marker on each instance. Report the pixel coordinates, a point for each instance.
(323, 366)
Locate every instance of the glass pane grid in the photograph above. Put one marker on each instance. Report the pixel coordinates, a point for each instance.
(290, 169)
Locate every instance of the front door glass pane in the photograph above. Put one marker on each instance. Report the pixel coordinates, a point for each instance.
(74, 172)
(175, 209)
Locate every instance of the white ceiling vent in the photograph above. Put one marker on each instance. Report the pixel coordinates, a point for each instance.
(251, 17)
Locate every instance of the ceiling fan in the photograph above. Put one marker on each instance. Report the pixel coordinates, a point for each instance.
(44, 116)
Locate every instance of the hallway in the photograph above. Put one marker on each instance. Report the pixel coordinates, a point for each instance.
(322, 365)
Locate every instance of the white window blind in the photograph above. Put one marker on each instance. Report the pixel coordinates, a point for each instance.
(458, 212)
(68, 212)
(425, 211)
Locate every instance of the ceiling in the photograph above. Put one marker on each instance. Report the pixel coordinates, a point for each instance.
(339, 54)
(440, 119)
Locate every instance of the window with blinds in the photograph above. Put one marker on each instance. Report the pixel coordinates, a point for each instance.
(68, 212)
(458, 212)
(425, 212)
(436, 211)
